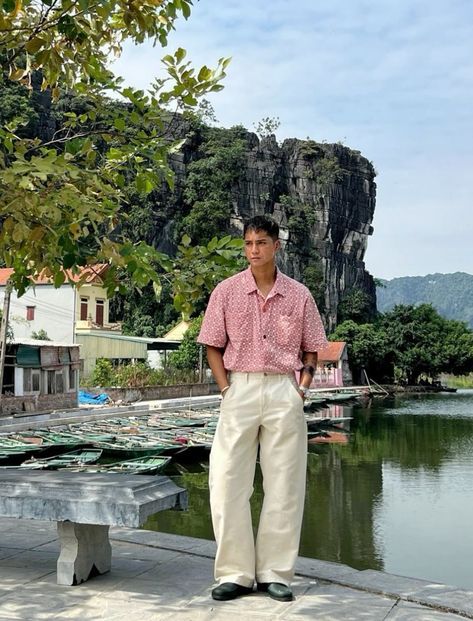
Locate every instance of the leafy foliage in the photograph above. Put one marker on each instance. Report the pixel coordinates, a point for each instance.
(368, 350)
(40, 335)
(60, 196)
(300, 220)
(10, 335)
(268, 126)
(187, 356)
(355, 305)
(136, 375)
(209, 183)
(103, 373)
(408, 342)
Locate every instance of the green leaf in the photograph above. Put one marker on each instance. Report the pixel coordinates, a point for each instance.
(180, 55)
(185, 240)
(34, 45)
(186, 10)
(204, 74)
(119, 124)
(8, 5)
(59, 279)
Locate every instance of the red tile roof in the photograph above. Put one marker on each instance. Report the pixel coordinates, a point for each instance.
(91, 272)
(332, 353)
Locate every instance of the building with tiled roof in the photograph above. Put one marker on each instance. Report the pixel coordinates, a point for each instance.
(332, 366)
(60, 312)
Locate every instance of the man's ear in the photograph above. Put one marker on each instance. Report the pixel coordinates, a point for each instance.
(277, 245)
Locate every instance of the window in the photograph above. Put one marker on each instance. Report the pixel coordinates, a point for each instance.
(99, 308)
(51, 382)
(31, 380)
(84, 308)
(55, 382)
(30, 313)
(72, 379)
(59, 381)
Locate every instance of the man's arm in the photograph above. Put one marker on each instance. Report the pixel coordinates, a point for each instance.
(309, 360)
(215, 359)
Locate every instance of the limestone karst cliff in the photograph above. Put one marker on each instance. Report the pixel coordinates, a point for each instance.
(322, 195)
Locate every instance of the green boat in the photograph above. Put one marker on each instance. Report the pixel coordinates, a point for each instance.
(65, 460)
(15, 455)
(151, 464)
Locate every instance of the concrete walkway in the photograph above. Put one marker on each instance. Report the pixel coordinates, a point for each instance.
(167, 578)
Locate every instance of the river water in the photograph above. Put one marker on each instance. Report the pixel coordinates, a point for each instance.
(398, 497)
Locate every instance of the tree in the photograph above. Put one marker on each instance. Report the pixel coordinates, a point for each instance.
(208, 189)
(187, 356)
(426, 343)
(408, 342)
(415, 334)
(40, 335)
(10, 335)
(368, 350)
(357, 306)
(267, 126)
(61, 195)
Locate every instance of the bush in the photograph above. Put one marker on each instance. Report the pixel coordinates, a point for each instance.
(187, 356)
(137, 375)
(103, 373)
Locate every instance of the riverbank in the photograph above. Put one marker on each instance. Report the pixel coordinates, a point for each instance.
(163, 577)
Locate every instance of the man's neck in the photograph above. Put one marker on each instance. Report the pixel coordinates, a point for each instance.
(265, 276)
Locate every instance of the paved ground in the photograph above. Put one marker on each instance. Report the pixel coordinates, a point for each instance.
(167, 578)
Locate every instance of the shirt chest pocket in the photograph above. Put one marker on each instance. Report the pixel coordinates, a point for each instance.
(288, 330)
(238, 325)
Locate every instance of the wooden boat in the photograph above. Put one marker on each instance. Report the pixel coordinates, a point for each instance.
(151, 464)
(16, 455)
(73, 458)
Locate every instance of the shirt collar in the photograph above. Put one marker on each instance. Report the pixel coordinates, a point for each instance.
(278, 287)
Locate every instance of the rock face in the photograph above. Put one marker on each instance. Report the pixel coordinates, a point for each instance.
(323, 197)
(334, 187)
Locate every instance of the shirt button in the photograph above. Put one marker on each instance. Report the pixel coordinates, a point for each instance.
(264, 336)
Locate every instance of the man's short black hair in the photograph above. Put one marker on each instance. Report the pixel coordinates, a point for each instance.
(262, 223)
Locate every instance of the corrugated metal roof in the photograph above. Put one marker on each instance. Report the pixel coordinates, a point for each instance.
(124, 337)
(38, 343)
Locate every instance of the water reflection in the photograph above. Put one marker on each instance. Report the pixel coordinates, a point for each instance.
(398, 497)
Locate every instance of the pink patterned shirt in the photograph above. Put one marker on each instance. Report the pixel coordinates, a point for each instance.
(262, 335)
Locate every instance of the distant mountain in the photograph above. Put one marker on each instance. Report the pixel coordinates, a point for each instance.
(450, 294)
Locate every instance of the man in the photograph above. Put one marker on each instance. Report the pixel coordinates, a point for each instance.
(260, 327)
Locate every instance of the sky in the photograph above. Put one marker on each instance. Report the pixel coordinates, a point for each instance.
(390, 78)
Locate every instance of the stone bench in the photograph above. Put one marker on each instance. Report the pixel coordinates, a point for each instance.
(85, 505)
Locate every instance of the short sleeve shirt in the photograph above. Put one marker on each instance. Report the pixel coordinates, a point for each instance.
(262, 335)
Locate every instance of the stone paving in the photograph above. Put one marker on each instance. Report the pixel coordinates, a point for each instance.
(163, 577)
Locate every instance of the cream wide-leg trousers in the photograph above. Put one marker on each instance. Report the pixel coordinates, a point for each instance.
(264, 409)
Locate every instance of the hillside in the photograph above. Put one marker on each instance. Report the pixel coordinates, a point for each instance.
(450, 294)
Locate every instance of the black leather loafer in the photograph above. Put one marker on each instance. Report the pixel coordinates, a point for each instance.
(229, 590)
(276, 590)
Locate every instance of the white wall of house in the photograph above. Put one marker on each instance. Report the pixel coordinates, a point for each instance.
(52, 309)
(88, 301)
(57, 311)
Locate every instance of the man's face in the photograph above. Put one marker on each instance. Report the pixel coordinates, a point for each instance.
(260, 248)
